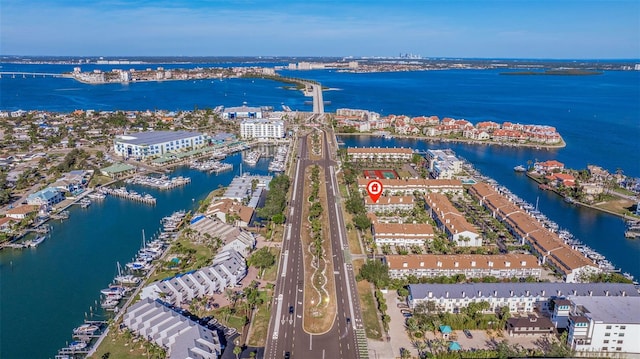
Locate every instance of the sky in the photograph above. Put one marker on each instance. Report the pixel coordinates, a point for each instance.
(551, 29)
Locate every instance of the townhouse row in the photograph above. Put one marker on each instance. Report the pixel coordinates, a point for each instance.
(548, 246)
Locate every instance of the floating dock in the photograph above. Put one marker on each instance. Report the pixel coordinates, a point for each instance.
(122, 192)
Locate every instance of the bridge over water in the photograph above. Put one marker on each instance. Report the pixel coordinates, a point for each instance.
(13, 74)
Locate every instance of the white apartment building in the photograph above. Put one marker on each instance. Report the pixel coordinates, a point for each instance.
(389, 203)
(607, 325)
(228, 269)
(157, 143)
(262, 128)
(379, 154)
(402, 234)
(503, 266)
(180, 336)
(519, 297)
(410, 186)
(443, 164)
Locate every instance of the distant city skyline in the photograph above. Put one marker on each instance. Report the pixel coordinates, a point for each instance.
(562, 29)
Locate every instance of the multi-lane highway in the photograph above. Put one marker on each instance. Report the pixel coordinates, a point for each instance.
(346, 338)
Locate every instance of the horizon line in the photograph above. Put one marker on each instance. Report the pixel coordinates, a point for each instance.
(325, 56)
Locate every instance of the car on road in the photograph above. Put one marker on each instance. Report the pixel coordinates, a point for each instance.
(348, 320)
(407, 314)
(287, 355)
(291, 309)
(467, 333)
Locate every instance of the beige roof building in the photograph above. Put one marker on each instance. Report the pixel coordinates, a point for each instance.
(550, 248)
(389, 203)
(451, 221)
(403, 234)
(471, 265)
(227, 209)
(380, 153)
(409, 186)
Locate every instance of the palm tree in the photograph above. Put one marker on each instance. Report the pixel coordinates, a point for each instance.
(237, 350)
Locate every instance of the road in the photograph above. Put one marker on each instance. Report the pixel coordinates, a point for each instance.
(346, 338)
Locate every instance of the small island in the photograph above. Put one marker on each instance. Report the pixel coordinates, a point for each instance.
(556, 72)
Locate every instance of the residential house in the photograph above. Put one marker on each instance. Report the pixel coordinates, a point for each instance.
(21, 212)
(529, 325)
(46, 197)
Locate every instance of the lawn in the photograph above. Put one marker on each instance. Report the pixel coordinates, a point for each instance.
(271, 273)
(121, 346)
(368, 305)
(260, 325)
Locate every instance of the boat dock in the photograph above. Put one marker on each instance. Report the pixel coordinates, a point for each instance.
(122, 192)
(163, 182)
(212, 166)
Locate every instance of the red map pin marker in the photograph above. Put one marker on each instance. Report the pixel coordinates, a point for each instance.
(374, 188)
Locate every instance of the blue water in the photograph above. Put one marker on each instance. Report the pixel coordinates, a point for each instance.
(51, 287)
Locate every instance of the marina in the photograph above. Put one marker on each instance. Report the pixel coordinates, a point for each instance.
(164, 182)
(211, 165)
(122, 192)
(252, 158)
(279, 161)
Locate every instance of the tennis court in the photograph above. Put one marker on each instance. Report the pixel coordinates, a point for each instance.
(380, 174)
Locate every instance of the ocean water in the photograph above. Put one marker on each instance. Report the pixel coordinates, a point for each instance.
(49, 289)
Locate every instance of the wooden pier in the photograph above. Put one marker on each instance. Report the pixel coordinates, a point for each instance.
(130, 195)
(163, 182)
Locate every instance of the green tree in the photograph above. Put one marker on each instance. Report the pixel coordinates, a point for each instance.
(237, 350)
(375, 272)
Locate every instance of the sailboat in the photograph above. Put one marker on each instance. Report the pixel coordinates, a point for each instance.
(125, 278)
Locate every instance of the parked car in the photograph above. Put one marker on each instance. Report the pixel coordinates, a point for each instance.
(467, 333)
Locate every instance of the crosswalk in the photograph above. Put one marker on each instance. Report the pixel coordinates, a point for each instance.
(361, 342)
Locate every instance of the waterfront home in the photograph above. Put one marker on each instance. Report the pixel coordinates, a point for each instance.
(6, 223)
(548, 166)
(518, 297)
(606, 325)
(402, 234)
(21, 212)
(451, 221)
(46, 197)
(564, 179)
(73, 181)
(529, 325)
(502, 266)
(231, 212)
(180, 336)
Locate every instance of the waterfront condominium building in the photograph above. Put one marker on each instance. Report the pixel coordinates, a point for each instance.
(180, 336)
(607, 325)
(443, 164)
(157, 143)
(547, 245)
(228, 269)
(519, 297)
(379, 154)
(262, 128)
(502, 266)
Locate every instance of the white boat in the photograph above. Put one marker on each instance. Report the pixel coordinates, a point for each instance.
(77, 345)
(109, 303)
(35, 242)
(114, 290)
(252, 158)
(137, 265)
(519, 168)
(86, 329)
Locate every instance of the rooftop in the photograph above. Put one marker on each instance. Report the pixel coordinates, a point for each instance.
(152, 137)
(623, 310)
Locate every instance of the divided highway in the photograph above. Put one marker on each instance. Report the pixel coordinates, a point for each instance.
(346, 338)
